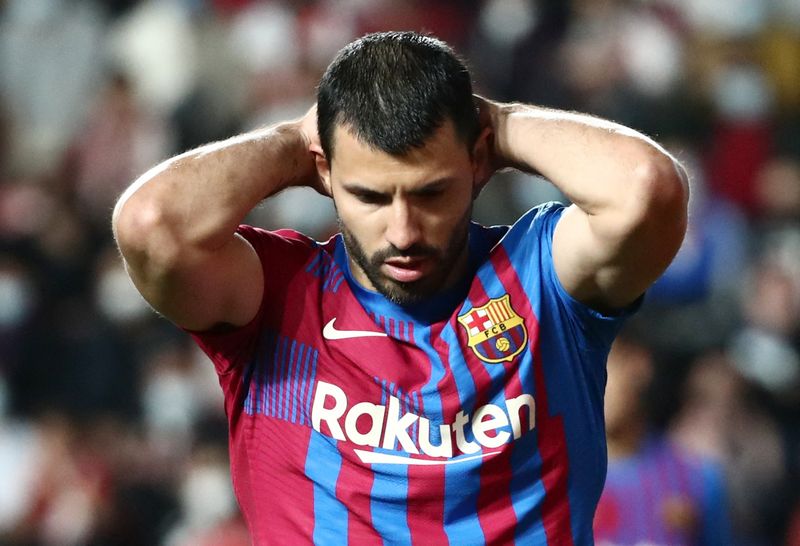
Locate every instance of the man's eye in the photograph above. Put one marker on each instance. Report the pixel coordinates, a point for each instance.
(431, 194)
(369, 198)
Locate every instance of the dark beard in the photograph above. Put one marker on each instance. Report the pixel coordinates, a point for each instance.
(410, 293)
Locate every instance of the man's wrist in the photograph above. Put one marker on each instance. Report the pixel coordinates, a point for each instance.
(299, 167)
(507, 136)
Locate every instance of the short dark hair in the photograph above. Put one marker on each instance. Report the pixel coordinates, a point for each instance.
(393, 90)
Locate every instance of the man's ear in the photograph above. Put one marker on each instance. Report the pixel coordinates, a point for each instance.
(323, 169)
(482, 169)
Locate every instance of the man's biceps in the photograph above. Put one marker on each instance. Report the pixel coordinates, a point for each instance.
(594, 266)
(578, 254)
(237, 282)
(578, 240)
(210, 288)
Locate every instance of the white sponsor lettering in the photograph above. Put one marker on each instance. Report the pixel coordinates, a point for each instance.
(514, 405)
(375, 412)
(320, 413)
(444, 449)
(496, 418)
(389, 426)
(397, 428)
(461, 441)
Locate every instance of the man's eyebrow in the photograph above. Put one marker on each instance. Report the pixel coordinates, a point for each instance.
(359, 189)
(434, 185)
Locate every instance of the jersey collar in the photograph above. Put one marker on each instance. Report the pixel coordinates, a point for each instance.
(436, 308)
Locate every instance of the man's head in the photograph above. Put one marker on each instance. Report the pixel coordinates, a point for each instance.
(393, 90)
(400, 153)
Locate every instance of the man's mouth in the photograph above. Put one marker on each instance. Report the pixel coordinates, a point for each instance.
(406, 270)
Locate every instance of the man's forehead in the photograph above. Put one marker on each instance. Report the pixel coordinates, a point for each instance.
(443, 156)
(346, 137)
(387, 186)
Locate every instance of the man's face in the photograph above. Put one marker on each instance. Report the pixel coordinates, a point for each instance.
(404, 219)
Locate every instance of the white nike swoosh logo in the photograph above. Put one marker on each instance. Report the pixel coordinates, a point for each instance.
(373, 457)
(330, 332)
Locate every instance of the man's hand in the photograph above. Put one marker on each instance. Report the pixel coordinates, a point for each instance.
(492, 117)
(629, 196)
(176, 225)
(309, 129)
(310, 132)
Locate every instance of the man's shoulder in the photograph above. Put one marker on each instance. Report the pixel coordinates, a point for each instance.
(283, 244)
(258, 235)
(541, 215)
(285, 253)
(531, 231)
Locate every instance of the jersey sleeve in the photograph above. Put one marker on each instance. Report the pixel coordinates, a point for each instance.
(531, 241)
(282, 254)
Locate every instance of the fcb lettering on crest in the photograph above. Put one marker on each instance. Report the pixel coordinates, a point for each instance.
(495, 331)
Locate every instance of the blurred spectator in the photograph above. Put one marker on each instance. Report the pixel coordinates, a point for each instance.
(655, 492)
(178, 390)
(119, 142)
(743, 134)
(725, 18)
(50, 61)
(153, 45)
(778, 193)
(724, 418)
(764, 350)
(70, 488)
(20, 460)
(209, 508)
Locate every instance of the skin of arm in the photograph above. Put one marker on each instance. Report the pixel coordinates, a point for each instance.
(629, 196)
(175, 226)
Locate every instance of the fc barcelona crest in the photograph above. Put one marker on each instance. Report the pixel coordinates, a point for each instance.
(496, 332)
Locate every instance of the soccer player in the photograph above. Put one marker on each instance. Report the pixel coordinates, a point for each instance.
(655, 492)
(418, 378)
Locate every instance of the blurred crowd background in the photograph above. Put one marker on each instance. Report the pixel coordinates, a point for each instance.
(112, 430)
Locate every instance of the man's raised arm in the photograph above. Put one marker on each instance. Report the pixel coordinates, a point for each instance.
(175, 226)
(629, 197)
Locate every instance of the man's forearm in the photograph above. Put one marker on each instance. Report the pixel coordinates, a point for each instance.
(200, 197)
(596, 163)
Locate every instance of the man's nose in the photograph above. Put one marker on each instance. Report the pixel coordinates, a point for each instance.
(403, 229)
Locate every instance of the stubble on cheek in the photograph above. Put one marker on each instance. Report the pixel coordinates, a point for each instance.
(414, 292)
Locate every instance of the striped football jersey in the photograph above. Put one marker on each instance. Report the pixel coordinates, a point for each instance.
(662, 496)
(474, 417)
